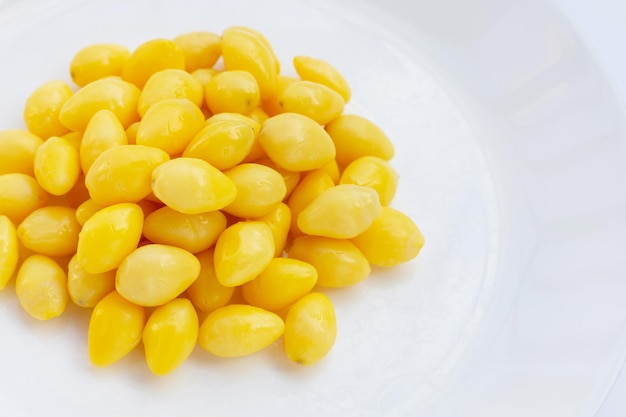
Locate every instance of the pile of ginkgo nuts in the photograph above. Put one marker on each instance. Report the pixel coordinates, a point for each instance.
(188, 204)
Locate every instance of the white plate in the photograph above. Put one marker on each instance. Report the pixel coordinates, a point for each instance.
(510, 148)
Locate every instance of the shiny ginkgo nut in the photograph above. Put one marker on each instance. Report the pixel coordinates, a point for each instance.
(282, 283)
(9, 252)
(170, 335)
(123, 174)
(115, 328)
(151, 57)
(339, 262)
(17, 151)
(21, 195)
(154, 274)
(192, 186)
(279, 222)
(340, 212)
(296, 142)
(108, 236)
(313, 100)
(50, 230)
(239, 330)
(232, 91)
(170, 84)
(247, 51)
(170, 125)
(42, 108)
(320, 71)
(242, 252)
(373, 172)
(206, 293)
(97, 61)
(310, 329)
(308, 189)
(222, 143)
(110, 93)
(202, 49)
(85, 289)
(259, 189)
(41, 287)
(355, 136)
(393, 238)
(57, 166)
(192, 232)
(104, 131)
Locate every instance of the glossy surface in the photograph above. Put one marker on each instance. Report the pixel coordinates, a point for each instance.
(57, 166)
(51, 230)
(41, 289)
(192, 232)
(154, 274)
(342, 212)
(109, 93)
(17, 150)
(8, 251)
(108, 236)
(192, 186)
(310, 329)
(43, 106)
(115, 328)
(339, 263)
(296, 142)
(239, 330)
(170, 335)
(282, 283)
(242, 252)
(123, 173)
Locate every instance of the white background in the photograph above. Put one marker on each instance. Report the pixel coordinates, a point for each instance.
(601, 25)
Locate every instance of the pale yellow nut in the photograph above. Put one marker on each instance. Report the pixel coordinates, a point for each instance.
(242, 252)
(239, 330)
(201, 49)
(151, 57)
(115, 329)
(170, 84)
(170, 125)
(9, 251)
(43, 106)
(206, 293)
(41, 288)
(17, 151)
(20, 196)
(341, 212)
(170, 335)
(247, 51)
(339, 263)
(320, 71)
(110, 93)
(192, 186)
(123, 174)
(154, 274)
(85, 289)
(355, 136)
(57, 166)
(259, 189)
(108, 236)
(97, 61)
(296, 142)
(50, 230)
(310, 329)
(313, 100)
(392, 239)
